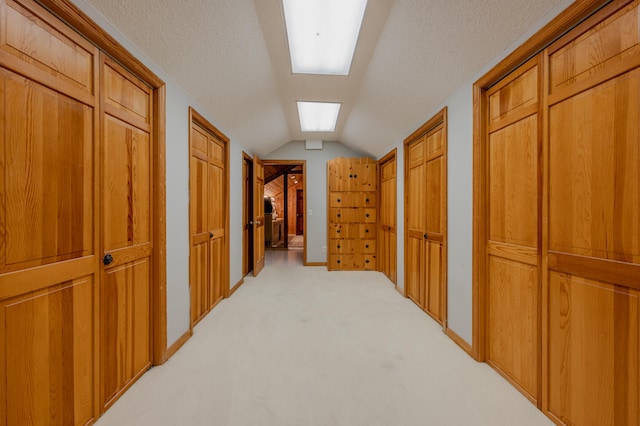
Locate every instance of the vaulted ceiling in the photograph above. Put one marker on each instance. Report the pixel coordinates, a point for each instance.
(232, 57)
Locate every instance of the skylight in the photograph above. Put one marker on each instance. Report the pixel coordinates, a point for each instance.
(318, 116)
(322, 34)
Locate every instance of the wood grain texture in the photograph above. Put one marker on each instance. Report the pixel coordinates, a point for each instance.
(352, 218)
(426, 216)
(513, 322)
(208, 216)
(594, 171)
(128, 200)
(46, 342)
(593, 352)
(48, 176)
(258, 216)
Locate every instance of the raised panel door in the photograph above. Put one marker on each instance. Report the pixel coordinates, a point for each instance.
(126, 233)
(258, 216)
(48, 283)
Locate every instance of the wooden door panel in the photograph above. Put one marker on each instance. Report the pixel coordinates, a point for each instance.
(47, 355)
(126, 97)
(594, 171)
(199, 197)
(127, 190)
(216, 270)
(48, 179)
(416, 218)
(216, 199)
(126, 330)
(199, 279)
(603, 47)
(593, 351)
(433, 188)
(514, 96)
(512, 322)
(258, 216)
(513, 187)
(414, 275)
(33, 36)
(433, 295)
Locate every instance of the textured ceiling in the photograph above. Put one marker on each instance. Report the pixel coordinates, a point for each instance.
(232, 57)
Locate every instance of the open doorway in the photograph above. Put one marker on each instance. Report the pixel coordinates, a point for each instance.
(285, 206)
(247, 214)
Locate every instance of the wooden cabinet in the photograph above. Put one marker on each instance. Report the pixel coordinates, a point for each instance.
(352, 214)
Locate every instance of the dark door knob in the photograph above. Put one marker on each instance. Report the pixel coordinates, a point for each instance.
(339, 215)
(366, 215)
(210, 234)
(366, 200)
(107, 259)
(366, 230)
(366, 246)
(425, 236)
(338, 199)
(366, 261)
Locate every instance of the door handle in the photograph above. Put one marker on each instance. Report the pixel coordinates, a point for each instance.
(107, 259)
(425, 236)
(210, 234)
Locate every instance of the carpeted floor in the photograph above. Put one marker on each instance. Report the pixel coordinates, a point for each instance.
(302, 346)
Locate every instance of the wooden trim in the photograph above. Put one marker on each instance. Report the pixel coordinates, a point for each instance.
(178, 343)
(159, 291)
(605, 270)
(401, 291)
(315, 263)
(74, 17)
(578, 11)
(556, 28)
(459, 341)
(235, 287)
(438, 118)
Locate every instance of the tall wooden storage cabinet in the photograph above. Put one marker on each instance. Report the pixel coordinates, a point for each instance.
(352, 214)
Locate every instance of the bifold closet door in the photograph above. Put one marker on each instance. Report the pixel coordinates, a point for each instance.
(48, 221)
(127, 199)
(207, 220)
(513, 251)
(426, 216)
(592, 356)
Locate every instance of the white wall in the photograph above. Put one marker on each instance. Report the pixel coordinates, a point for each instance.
(177, 166)
(316, 186)
(460, 192)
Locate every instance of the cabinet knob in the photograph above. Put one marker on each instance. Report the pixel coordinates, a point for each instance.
(366, 200)
(355, 176)
(338, 260)
(210, 234)
(107, 259)
(366, 261)
(425, 236)
(338, 231)
(366, 246)
(338, 199)
(366, 230)
(339, 246)
(366, 215)
(350, 176)
(339, 215)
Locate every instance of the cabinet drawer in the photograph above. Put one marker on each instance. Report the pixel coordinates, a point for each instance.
(366, 231)
(352, 199)
(341, 262)
(366, 262)
(350, 215)
(344, 230)
(342, 246)
(366, 246)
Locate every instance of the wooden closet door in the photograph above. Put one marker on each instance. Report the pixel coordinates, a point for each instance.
(426, 216)
(592, 353)
(513, 232)
(48, 215)
(415, 207)
(387, 236)
(199, 202)
(126, 229)
(217, 212)
(258, 216)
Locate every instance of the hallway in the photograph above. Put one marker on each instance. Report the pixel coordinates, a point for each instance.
(302, 346)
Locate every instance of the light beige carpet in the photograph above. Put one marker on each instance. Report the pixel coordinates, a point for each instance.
(303, 346)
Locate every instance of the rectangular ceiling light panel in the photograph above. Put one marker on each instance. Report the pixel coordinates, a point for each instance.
(322, 34)
(318, 116)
